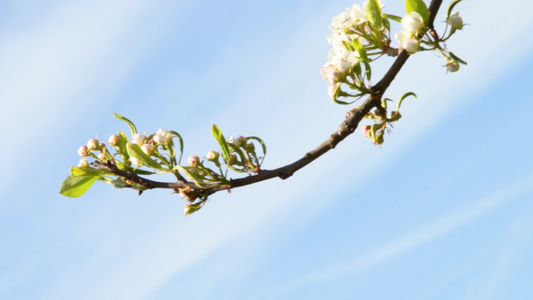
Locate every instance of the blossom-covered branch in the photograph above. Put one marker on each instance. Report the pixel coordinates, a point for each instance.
(359, 37)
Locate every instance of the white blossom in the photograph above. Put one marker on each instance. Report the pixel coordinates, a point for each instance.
(413, 22)
(455, 21)
(162, 137)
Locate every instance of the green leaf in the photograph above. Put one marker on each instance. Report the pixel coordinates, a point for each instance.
(221, 141)
(368, 71)
(193, 176)
(130, 124)
(457, 59)
(419, 6)
(392, 17)
(75, 186)
(260, 142)
(348, 46)
(135, 151)
(403, 97)
(181, 143)
(450, 8)
(373, 13)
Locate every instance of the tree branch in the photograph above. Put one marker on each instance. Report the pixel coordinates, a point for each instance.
(347, 127)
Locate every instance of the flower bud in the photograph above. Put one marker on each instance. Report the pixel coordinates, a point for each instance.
(366, 131)
(413, 22)
(135, 161)
(334, 91)
(149, 149)
(162, 137)
(193, 160)
(455, 21)
(83, 150)
(452, 66)
(101, 156)
(411, 45)
(93, 144)
(114, 140)
(212, 156)
(138, 139)
(83, 163)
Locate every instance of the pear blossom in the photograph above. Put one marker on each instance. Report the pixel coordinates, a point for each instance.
(148, 149)
(452, 66)
(333, 91)
(162, 137)
(341, 21)
(114, 140)
(83, 150)
(83, 163)
(330, 72)
(93, 144)
(193, 160)
(135, 161)
(411, 45)
(455, 21)
(212, 155)
(357, 15)
(413, 22)
(138, 139)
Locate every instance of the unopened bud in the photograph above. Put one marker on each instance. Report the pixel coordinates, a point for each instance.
(455, 21)
(83, 150)
(114, 140)
(452, 66)
(83, 163)
(212, 156)
(149, 149)
(193, 160)
(93, 144)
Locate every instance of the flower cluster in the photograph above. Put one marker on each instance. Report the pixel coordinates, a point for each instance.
(156, 153)
(408, 37)
(362, 35)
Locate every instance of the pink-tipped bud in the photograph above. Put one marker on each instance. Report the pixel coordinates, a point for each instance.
(212, 155)
(366, 131)
(149, 149)
(93, 144)
(83, 150)
(193, 160)
(162, 137)
(452, 66)
(138, 139)
(114, 140)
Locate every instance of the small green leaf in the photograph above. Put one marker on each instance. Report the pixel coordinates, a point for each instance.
(260, 142)
(368, 71)
(135, 151)
(75, 186)
(348, 46)
(193, 176)
(392, 17)
(192, 208)
(450, 8)
(373, 13)
(403, 97)
(457, 59)
(130, 124)
(181, 143)
(221, 141)
(419, 6)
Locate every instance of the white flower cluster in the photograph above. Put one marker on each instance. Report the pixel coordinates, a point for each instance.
(412, 24)
(340, 59)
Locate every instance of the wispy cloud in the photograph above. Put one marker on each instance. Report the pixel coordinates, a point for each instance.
(424, 234)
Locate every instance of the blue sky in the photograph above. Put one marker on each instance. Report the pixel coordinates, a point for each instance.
(441, 211)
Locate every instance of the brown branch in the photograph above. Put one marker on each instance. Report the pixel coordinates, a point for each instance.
(346, 128)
